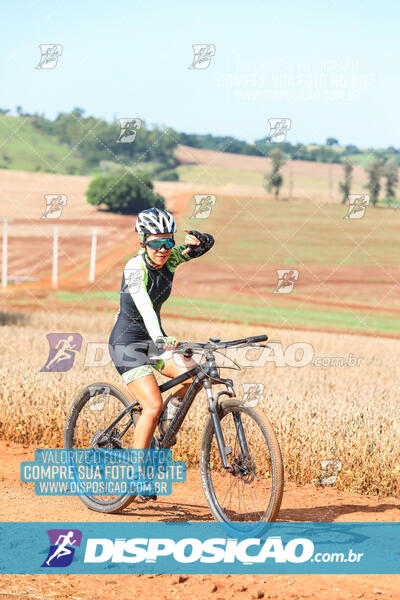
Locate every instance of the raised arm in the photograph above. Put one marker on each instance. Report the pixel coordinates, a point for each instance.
(186, 252)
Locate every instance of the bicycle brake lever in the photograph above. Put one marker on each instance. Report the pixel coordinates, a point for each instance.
(258, 346)
(187, 352)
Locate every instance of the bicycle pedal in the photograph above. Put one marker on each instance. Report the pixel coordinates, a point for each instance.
(228, 450)
(147, 498)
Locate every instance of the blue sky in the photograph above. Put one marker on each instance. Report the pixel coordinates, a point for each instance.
(331, 67)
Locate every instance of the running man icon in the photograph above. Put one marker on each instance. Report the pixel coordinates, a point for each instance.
(286, 280)
(62, 351)
(54, 206)
(61, 552)
(62, 549)
(62, 347)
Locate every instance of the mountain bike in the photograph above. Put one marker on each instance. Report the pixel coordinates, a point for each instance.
(240, 460)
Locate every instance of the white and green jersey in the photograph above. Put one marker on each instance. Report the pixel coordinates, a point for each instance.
(144, 289)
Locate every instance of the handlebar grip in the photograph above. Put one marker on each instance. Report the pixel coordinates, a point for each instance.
(258, 338)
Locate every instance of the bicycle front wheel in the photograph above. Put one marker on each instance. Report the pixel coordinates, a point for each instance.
(251, 490)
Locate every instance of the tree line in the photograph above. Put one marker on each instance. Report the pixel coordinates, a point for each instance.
(330, 152)
(376, 169)
(95, 139)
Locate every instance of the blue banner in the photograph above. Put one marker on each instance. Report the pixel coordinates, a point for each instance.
(57, 472)
(283, 548)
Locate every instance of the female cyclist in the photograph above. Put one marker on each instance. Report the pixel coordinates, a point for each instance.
(137, 334)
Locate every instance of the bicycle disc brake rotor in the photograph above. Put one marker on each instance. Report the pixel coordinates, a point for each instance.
(244, 468)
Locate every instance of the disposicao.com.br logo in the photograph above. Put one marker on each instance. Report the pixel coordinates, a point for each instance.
(205, 547)
(169, 553)
(192, 550)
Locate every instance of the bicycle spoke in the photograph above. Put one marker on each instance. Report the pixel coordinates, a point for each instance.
(244, 493)
(250, 489)
(94, 417)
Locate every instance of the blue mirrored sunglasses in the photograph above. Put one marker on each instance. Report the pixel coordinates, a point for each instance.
(157, 244)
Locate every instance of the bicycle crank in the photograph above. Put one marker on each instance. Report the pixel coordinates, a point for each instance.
(112, 441)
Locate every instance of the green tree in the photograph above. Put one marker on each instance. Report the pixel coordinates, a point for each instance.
(124, 193)
(345, 186)
(390, 172)
(274, 179)
(374, 171)
(331, 141)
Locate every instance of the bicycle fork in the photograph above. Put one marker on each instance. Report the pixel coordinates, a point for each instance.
(225, 450)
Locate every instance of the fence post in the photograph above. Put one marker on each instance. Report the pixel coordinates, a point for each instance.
(55, 256)
(93, 256)
(5, 255)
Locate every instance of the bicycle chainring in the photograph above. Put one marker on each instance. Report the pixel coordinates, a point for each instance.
(110, 442)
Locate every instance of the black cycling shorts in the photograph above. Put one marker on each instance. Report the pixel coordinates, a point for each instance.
(135, 360)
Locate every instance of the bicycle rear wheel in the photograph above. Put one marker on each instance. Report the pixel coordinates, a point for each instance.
(251, 491)
(91, 412)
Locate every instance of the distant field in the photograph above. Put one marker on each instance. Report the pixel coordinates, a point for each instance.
(218, 175)
(348, 269)
(347, 279)
(247, 311)
(296, 183)
(302, 179)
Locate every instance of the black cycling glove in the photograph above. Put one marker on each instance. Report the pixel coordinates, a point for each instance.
(206, 242)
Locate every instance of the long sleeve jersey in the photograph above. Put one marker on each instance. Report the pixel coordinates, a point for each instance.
(144, 289)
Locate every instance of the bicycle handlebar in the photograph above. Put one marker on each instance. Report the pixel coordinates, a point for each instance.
(249, 340)
(186, 348)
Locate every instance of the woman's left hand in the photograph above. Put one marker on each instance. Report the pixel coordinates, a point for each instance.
(190, 240)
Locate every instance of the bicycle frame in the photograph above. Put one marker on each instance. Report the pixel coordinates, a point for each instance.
(202, 378)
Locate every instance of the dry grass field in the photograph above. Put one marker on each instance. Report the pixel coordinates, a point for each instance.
(347, 413)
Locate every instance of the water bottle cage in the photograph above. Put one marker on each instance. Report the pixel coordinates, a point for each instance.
(172, 407)
(169, 412)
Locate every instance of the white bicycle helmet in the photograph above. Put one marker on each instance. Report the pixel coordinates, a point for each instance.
(155, 220)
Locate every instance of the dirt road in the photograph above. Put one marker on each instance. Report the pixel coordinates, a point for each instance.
(307, 503)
